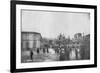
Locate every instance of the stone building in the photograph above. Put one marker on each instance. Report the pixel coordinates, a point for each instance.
(30, 40)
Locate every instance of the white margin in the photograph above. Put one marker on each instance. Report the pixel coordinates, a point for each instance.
(20, 65)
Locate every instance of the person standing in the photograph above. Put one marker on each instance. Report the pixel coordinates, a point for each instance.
(31, 55)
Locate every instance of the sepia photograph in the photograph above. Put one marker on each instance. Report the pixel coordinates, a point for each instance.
(52, 36)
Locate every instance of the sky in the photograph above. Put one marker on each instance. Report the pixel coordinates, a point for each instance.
(50, 24)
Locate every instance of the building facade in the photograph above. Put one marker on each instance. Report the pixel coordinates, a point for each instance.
(30, 40)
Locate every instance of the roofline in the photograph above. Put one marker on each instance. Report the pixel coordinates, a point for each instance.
(30, 32)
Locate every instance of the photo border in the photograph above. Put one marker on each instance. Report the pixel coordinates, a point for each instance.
(13, 35)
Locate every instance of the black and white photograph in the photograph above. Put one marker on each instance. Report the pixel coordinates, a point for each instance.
(52, 36)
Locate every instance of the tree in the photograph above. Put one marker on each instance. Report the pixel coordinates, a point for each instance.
(62, 42)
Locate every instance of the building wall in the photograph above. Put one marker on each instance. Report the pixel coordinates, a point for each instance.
(30, 40)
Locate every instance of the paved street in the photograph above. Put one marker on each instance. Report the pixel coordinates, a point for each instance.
(45, 57)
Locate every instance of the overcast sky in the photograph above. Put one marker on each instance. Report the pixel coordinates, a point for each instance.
(51, 24)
